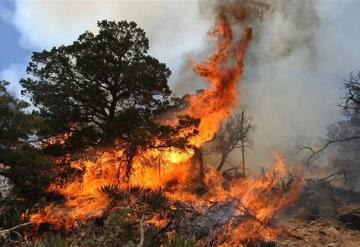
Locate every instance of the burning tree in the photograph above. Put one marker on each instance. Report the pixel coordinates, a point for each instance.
(103, 90)
(234, 135)
(103, 93)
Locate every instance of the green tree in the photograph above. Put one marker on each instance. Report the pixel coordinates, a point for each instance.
(104, 89)
(22, 163)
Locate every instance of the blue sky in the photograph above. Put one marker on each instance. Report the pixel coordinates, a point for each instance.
(10, 49)
(13, 56)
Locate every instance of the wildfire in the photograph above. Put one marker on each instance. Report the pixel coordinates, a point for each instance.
(171, 169)
(214, 105)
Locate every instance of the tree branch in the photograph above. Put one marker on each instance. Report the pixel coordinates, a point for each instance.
(6, 231)
(325, 146)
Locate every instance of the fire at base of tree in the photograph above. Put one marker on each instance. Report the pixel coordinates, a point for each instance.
(107, 156)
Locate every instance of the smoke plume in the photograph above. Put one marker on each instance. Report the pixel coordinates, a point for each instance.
(293, 71)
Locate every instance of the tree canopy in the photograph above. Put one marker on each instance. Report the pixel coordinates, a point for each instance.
(22, 163)
(103, 89)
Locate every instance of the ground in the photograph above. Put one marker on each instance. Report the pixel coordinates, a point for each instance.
(319, 233)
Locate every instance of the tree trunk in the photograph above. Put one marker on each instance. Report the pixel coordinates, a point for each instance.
(199, 156)
(222, 162)
(243, 157)
(243, 143)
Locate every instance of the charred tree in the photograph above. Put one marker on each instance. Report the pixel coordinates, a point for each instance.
(199, 157)
(346, 130)
(235, 134)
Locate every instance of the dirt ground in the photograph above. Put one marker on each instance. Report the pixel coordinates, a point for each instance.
(319, 233)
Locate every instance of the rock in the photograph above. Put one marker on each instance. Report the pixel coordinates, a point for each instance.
(350, 215)
(332, 231)
(351, 220)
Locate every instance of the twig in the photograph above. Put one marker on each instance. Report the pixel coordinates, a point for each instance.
(142, 235)
(6, 231)
(325, 146)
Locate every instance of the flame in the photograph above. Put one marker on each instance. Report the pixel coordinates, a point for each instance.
(171, 169)
(214, 105)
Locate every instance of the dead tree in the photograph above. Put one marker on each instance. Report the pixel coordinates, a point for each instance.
(234, 134)
(351, 108)
(351, 103)
(198, 157)
(314, 152)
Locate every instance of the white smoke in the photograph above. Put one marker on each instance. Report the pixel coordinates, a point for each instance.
(174, 28)
(294, 84)
(294, 70)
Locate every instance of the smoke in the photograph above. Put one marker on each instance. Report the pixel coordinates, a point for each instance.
(173, 28)
(294, 80)
(294, 67)
(293, 71)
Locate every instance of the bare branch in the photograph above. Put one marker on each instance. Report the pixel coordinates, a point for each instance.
(325, 146)
(142, 235)
(7, 231)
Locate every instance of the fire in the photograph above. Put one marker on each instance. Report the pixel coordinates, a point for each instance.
(171, 167)
(214, 105)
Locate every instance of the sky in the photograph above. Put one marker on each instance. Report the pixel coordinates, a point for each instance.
(13, 56)
(294, 68)
(33, 25)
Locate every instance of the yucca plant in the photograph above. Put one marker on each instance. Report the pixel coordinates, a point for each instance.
(181, 241)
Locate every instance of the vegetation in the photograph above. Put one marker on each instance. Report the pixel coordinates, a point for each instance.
(21, 162)
(181, 241)
(344, 135)
(103, 90)
(235, 134)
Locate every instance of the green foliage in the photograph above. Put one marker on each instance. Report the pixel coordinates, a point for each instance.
(23, 164)
(181, 241)
(15, 125)
(104, 89)
(29, 171)
(102, 86)
(117, 230)
(53, 241)
(155, 199)
(10, 212)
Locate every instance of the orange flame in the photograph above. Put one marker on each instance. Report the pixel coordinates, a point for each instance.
(213, 105)
(223, 70)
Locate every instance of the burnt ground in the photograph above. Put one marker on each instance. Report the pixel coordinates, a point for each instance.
(319, 233)
(325, 215)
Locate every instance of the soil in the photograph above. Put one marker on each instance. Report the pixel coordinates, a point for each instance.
(319, 233)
